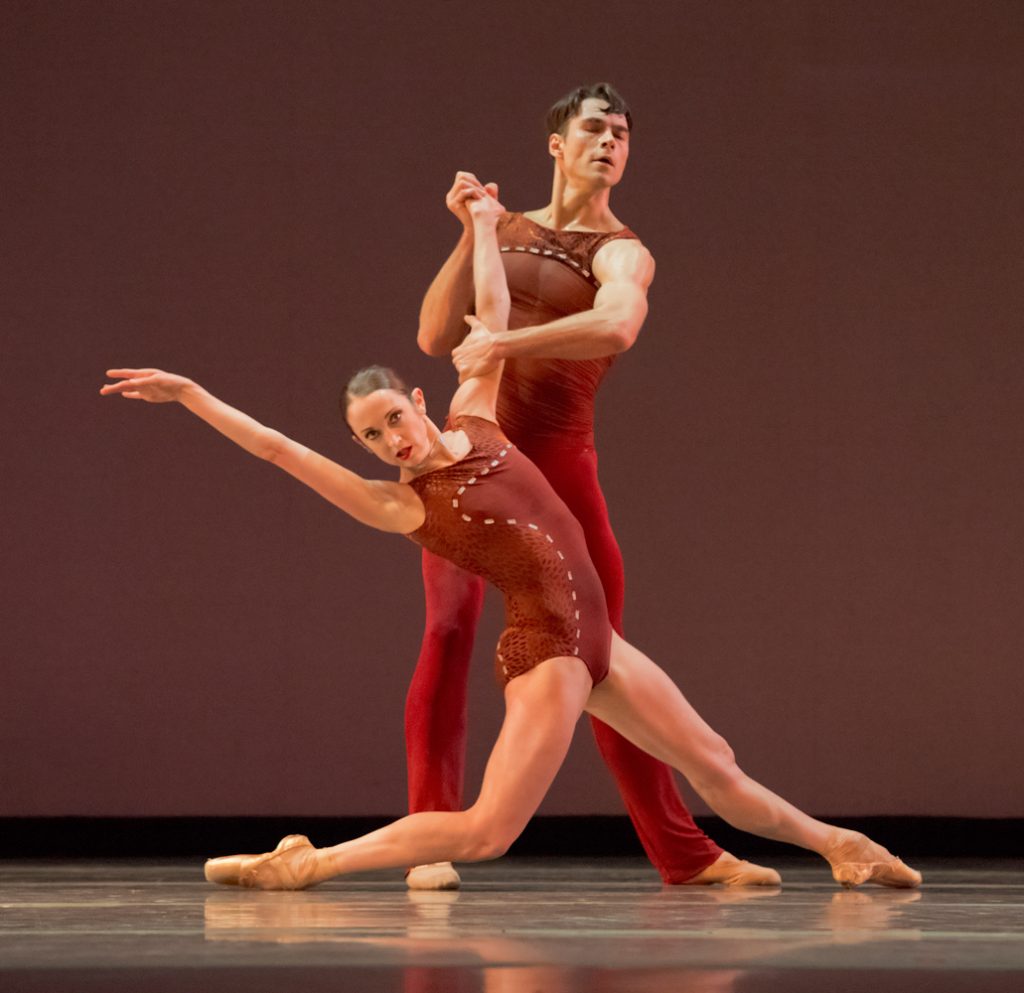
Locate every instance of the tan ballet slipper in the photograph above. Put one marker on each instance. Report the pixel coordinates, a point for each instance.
(230, 870)
(433, 876)
(856, 859)
(294, 868)
(727, 870)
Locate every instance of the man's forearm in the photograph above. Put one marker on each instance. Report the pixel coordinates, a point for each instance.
(592, 334)
(447, 301)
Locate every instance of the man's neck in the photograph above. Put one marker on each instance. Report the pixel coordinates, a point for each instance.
(577, 207)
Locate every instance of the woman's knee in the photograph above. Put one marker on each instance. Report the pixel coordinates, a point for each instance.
(718, 768)
(487, 839)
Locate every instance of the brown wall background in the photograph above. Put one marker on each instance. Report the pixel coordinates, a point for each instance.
(812, 456)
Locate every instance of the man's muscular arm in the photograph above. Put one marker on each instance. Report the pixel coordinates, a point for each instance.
(450, 296)
(448, 300)
(625, 270)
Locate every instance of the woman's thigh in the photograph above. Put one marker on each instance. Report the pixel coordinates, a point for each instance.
(640, 701)
(542, 708)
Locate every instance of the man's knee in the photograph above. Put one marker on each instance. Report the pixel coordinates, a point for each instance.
(454, 616)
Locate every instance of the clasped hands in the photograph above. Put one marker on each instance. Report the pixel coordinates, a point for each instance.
(466, 190)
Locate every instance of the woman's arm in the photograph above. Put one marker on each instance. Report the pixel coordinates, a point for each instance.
(478, 393)
(388, 506)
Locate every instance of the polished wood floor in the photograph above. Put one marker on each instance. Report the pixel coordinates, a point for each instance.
(517, 926)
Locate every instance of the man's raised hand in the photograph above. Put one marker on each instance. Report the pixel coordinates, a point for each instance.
(477, 355)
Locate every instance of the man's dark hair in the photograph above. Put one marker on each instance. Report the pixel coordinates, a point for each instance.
(568, 107)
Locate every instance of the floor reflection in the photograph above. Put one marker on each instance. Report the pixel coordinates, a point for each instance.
(860, 915)
(427, 922)
(526, 948)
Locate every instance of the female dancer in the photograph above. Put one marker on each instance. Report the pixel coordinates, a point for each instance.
(466, 494)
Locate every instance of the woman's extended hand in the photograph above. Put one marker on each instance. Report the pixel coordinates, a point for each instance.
(151, 385)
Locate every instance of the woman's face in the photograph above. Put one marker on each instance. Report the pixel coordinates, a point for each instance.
(391, 425)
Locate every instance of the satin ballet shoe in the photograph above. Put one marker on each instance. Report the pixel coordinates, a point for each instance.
(433, 876)
(727, 870)
(232, 870)
(856, 859)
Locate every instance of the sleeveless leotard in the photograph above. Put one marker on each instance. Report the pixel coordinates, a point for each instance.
(494, 514)
(549, 401)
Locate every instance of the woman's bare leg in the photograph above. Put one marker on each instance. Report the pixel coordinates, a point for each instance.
(643, 704)
(542, 708)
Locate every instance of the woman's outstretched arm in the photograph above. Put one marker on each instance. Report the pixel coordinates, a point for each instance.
(381, 504)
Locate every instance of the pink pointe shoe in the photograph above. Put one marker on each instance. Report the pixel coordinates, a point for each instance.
(291, 866)
(856, 859)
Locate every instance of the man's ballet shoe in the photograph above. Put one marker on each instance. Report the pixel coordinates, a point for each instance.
(728, 870)
(245, 870)
(434, 876)
(856, 859)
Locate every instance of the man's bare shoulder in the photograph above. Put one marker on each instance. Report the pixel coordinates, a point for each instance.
(624, 258)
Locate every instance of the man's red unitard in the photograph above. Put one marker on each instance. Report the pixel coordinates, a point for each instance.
(546, 408)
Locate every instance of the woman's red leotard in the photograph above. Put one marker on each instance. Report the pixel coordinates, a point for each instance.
(494, 514)
(546, 408)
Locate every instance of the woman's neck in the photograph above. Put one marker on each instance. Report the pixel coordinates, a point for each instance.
(440, 454)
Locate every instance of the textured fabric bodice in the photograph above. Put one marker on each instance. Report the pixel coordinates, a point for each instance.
(494, 514)
(550, 275)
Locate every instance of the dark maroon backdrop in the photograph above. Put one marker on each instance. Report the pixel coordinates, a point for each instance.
(812, 456)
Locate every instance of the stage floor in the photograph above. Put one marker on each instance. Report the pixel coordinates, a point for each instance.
(517, 926)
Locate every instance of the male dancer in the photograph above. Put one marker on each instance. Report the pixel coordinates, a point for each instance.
(578, 280)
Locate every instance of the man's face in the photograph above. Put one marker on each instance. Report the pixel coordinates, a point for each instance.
(594, 149)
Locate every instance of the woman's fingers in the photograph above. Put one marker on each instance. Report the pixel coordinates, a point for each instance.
(109, 388)
(138, 377)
